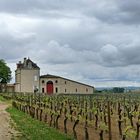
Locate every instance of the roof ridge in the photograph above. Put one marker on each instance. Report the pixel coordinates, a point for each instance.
(54, 76)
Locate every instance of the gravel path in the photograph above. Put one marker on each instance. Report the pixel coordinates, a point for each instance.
(6, 131)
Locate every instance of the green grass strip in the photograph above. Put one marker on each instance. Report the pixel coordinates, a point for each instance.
(2, 99)
(33, 129)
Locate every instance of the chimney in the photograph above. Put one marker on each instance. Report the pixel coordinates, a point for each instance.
(25, 58)
(25, 62)
(19, 64)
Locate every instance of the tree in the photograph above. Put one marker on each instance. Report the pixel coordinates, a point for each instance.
(118, 90)
(5, 72)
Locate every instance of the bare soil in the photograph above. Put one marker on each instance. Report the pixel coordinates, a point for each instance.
(7, 132)
(93, 133)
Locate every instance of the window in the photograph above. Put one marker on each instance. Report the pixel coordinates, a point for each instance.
(65, 90)
(43, 81)
(42, 90)
(29, 65)
(56, 81)
(65, 82)
(35, 78)
(56, 89)
(86, 89)
(76, 90)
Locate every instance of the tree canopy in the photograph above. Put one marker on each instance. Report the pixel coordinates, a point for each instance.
(5, 72)
(118, 90)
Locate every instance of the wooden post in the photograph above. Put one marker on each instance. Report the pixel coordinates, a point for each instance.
(109, 121)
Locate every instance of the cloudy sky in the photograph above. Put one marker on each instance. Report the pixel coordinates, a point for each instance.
(92, 41)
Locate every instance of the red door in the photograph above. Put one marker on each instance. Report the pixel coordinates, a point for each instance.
(49, 87)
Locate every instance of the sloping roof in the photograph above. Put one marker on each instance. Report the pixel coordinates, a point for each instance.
(54, 76)
(34, 65)
(27, 63)
(49, 76)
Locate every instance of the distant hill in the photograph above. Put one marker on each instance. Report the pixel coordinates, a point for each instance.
(109, 88)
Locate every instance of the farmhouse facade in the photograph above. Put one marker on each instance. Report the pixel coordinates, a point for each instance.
(55, 84)
(28, 79)
(27, 76)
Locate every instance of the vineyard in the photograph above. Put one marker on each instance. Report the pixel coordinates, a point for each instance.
(85, 117)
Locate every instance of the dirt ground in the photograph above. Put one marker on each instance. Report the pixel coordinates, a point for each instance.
(6, 130)
(93, 134)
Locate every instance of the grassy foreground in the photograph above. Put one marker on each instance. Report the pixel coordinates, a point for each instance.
(33, 129)
(2, 99)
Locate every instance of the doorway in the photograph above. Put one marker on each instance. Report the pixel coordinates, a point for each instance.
(49, 87)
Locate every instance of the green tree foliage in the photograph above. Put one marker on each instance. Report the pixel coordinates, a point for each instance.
(118, 90)
(5, 72)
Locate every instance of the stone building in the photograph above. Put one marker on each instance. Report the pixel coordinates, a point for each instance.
(10, 88)
(28, 79)
(27, 76)
(51, 84)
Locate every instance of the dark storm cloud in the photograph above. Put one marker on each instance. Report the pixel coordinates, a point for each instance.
(130, 6)
(115, 11)
(130, 11)
(110, 11)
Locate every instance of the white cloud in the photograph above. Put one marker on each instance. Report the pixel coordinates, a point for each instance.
(84, 40)
(109, 52)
